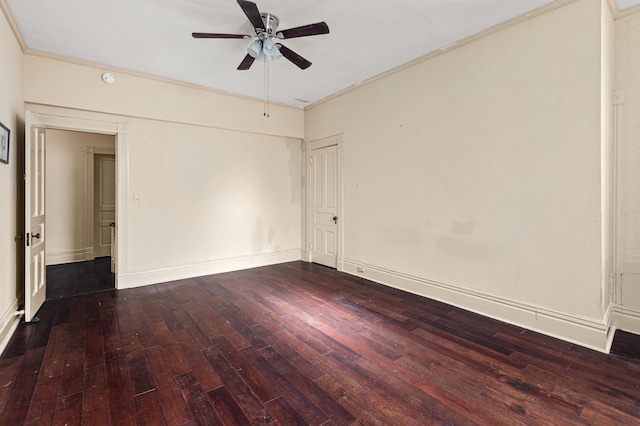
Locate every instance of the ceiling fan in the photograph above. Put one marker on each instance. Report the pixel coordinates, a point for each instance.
(263, 47)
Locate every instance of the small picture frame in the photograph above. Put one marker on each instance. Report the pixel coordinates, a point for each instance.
(4, 144)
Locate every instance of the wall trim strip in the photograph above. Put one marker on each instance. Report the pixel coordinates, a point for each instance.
(8, 324)
(589, 332)
(156, 276)
(627, 319)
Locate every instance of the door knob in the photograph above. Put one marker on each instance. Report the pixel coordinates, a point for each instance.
(335, 219)
(35, 235)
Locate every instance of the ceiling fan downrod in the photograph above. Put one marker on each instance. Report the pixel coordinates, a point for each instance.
(266, 88)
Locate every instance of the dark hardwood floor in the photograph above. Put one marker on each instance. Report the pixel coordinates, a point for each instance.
(298, 344)
(72, 279)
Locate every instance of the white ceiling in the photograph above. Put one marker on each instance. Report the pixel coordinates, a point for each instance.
(367, 37)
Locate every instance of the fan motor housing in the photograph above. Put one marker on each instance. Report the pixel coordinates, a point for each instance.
(271, 22)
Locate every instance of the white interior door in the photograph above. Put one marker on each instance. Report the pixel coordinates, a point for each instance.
(324, 205)
(35, 273)
(105, 203)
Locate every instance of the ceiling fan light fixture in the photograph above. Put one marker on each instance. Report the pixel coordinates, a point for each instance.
(270, 49)
(255, 49)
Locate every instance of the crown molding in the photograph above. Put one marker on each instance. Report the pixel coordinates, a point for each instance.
(618, 14)
(12, 24)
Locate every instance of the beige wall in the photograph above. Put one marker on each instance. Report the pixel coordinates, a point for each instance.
(627, 81)
(65, 201)
(475, 176)
(12, 116)
(218, 185)
(54, 82)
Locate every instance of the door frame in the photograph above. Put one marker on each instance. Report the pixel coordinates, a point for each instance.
(309, 146)
(119, 130)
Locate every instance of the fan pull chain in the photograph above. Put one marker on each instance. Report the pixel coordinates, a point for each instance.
(266, 86)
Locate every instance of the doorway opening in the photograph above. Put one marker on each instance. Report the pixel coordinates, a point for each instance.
(80, 203)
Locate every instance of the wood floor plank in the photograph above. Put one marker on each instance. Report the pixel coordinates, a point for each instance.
(207, 377)
(42, 329)
(149, 409)
(595, 412)
(332, 344)
(120, 389)
(94, 345)
(359, 343)
(174, 410)
(469, 406)
(307, 366)
(111, 338)
(21, 389)
(284, 412)
(227, 408)
(353, 403)
(582, 392)
(422, 405)
(69, 410)
(171, 357)
(78, 314)
(95, 397)
(198, 338)
(140, 376)
(197, 401)
(44, 399)
(467, 337)
(327, 364)
(309, 388)
(246, 398)
(53, 362)
(9, 368)
(259, 384)
(72, 378)
(242, 329)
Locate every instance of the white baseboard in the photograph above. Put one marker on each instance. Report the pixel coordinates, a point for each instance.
(71, 256)
(306, 255)
(8, 324)
(627, 319)
(589, 332)
(142, 278)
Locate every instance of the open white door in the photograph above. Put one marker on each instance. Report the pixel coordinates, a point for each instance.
(34, 221)
(324, 205)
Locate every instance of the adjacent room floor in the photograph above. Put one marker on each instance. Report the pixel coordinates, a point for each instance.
(73, 279)
(299, 343)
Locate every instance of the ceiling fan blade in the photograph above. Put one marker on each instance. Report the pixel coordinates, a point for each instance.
(217, 35)
(253, 14)
(298, 60)
(305, 30)
(246, 63)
